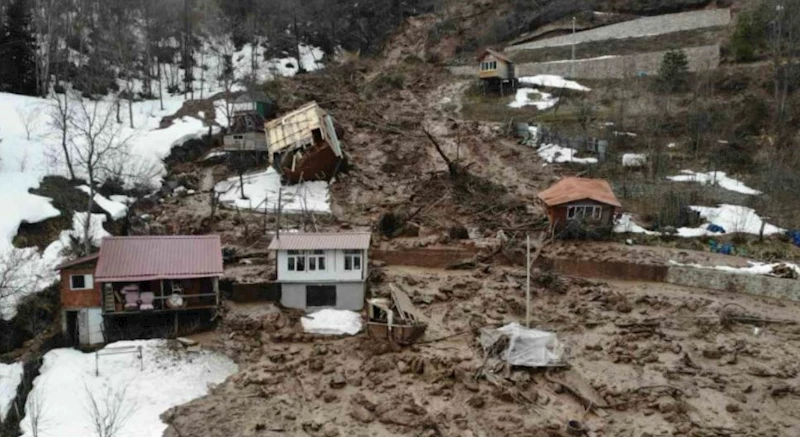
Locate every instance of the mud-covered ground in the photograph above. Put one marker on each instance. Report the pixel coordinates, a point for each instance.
(665, 360)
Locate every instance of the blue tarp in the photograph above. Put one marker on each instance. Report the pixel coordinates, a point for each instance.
(715, 228)
(794, 235)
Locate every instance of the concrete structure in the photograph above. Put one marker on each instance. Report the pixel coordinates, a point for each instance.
(641, 27)
(322, 270)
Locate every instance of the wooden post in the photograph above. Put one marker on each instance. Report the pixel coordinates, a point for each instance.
(528, 282)
(761, 231)
(176, 323)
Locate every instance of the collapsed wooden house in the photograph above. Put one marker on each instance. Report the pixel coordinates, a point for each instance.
(303, 145)
(246, 131)
(395, 319)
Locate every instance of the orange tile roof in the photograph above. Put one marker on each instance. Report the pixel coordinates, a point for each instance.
(572, 189)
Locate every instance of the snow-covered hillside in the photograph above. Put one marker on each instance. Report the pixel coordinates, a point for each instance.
(142, 389)
(30, 150)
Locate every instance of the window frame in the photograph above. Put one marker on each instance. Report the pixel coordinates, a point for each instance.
(291, 260)
(583, 212)
(88, 282)
(353, 257)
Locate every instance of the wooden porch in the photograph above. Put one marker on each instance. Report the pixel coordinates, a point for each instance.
(160, 296)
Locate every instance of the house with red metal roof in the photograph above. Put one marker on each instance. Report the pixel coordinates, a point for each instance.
(135, 284)
(589, 201)
(322, 270)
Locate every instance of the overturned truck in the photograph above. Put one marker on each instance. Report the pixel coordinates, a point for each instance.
(304, 145)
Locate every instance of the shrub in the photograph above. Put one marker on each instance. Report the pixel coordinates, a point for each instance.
(748, 36)
(673, 73)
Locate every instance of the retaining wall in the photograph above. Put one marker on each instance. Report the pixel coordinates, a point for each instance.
(610, 270)
(421, 257)
(647, 26)
(610, 67)
(743, 283)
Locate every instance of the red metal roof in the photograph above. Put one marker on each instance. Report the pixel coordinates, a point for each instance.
(124, 259)
(572, 189)
(321, 241)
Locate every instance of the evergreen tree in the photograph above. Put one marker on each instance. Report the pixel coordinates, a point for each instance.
(18, 50)
(673, 74)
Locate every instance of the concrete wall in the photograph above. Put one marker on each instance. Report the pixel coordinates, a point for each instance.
(641, 27)
(618, 67)
(609, 67)
(349, 296)
(743, 283)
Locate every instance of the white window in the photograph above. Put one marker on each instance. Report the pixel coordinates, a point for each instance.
(584, 212)
(81, 282)
(296, 261)
(352, 260)
(316, 260)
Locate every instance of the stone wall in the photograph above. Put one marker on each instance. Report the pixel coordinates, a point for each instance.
(758, 285)
(610, 67)
(641, 27)
(618, 67)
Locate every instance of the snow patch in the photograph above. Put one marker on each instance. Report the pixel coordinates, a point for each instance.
(732, 218)
(754, 267)
(68, 381)
(555, 153)
(625, 224)
(10, 379)
(553, 81)
(332, 322)
(116, 209)
(262, 189)
(719, 178)
(634, 159)
(523, 98)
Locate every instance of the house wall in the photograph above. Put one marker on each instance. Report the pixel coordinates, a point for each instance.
(558, 214)
(349, 295)
(78, 298)
(501, 71)
(334, 269)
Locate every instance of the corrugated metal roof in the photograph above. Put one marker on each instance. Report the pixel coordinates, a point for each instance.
(321, 240)
(147, 258)
(293, 129)
(571, 189)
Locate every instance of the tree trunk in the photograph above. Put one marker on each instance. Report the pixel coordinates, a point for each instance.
(241, 185)
(160, 84)
(297, 42)
(64, 126)
(87, 225)
(130, 100)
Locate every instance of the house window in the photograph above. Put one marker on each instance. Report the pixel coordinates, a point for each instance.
(292, 260)
(489, 65)
(584, 212)
(81, 282)
(316, 260)
(352, 260)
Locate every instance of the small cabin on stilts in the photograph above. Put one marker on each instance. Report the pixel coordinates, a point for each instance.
(496, 72)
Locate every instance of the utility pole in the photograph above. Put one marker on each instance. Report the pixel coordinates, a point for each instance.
(528, 282)
(572, 64)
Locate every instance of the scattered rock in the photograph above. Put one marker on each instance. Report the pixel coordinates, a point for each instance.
(337, 381)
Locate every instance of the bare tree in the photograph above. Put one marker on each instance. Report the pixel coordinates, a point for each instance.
(98, 147)
(34, 412)
(16, 279)
(109, 412)
(29, 117)
(59, 121)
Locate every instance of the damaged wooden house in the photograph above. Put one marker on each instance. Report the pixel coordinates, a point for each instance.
(138, 287)
(395, 319)
(246, 132)
(584, 201)
(304, 145)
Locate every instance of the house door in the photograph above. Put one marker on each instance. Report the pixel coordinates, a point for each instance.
(320, 296)
(72, 328)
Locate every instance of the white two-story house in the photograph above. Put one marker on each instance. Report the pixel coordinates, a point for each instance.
(322, 270)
